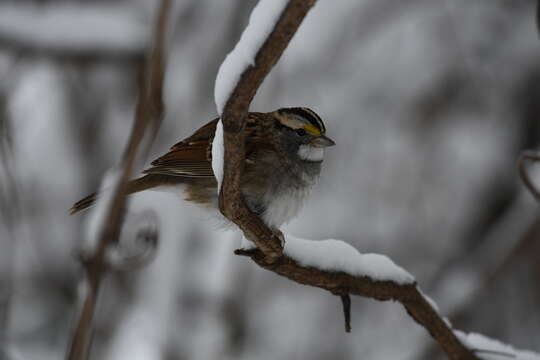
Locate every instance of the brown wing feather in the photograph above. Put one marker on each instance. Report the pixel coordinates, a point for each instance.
(203, 134)
(190, 157)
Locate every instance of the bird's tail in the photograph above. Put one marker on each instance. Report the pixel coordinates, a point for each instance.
(140, 184)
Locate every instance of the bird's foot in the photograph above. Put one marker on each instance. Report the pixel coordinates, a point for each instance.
(281, 237)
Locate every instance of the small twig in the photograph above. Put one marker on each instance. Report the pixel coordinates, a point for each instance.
(525, 157)
(244, 252)
(346, 302)
(538, 16)
(149, 110)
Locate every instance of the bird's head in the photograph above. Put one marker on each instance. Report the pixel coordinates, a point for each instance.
(302, 133)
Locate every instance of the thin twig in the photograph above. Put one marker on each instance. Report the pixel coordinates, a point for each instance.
(526, 157)
(346, 302)
(538, 16)
(269, 252)
(149, 110)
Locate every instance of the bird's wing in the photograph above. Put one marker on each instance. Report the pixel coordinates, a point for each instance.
(190, 157)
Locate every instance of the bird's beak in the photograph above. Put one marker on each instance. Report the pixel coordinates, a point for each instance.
(322, 142)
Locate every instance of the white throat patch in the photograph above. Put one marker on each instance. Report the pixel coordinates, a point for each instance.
(310, 153)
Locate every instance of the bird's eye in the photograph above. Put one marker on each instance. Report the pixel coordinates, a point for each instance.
(301, 132)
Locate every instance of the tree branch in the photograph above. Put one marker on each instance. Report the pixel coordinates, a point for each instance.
(269, 252)
(233, 118)
(149, 111)
(339, 282)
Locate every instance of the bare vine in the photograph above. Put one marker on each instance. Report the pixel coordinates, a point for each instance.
(147, 115)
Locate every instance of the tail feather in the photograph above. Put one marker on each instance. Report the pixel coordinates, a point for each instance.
(84, 203)
(140, 184)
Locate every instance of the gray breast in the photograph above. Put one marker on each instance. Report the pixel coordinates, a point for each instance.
(288, 193)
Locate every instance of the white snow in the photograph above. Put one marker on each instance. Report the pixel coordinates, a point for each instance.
(217, 154)
(430, 301)
(245, 244)
(337, 255)
(435, 307)
(490, 349)
(74, 28)
(99, 212)
(261, 24)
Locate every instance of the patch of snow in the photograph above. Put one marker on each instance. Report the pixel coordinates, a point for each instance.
(337, 255)
(490, 349)
(261, 23)
(447, 322)
(217, 154)
(245, 244)
(144, 326)
(430, 301)
(99, 212)
(74, 28)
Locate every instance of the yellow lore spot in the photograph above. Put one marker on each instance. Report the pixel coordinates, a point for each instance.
(312, 130)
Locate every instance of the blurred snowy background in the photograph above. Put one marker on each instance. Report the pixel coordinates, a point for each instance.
(429, 102)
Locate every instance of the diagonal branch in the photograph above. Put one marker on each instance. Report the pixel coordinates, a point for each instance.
(233, 117)
(269, 252)
(149, 111)
(407, 294)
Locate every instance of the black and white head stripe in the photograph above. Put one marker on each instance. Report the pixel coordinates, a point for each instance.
(306, 114)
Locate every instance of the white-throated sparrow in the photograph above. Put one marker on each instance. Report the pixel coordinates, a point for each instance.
(284, 152)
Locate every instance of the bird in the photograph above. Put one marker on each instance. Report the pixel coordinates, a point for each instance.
(284, 153)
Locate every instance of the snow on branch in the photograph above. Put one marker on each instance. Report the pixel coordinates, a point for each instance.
(238, 82)
(261, 23)
(368, 275)
(490, 349)
(331, 265)
(338, 256)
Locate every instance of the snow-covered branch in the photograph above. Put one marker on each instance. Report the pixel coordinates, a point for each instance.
(147, 117)
(336, 266)
(340, 269)
(331, 265)
(272, 25)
